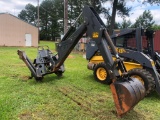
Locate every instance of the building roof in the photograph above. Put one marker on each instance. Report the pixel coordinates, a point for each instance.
(18, 18)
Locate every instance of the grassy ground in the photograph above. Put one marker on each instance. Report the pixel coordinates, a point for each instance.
(75, 96)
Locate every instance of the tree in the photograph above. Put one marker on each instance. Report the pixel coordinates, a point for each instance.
(52, 21)
(145, 20)
(156, 27)
(52, 13)
(29, 14)
(125, 24)
(49, 27)
(152, 2)
(51, 18)
(120, 8)
(123, 2)
(76, 6)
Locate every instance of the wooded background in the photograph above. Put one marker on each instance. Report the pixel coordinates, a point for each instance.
(51, 14)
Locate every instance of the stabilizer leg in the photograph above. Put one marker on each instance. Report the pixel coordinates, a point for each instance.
(29, 64)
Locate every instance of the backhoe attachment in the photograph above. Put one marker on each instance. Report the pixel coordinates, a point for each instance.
(126, 92)
(27, 61)
(43, 64)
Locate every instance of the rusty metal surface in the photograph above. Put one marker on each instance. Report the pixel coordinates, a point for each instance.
(127, 94)
(132, 42)
(157, 41)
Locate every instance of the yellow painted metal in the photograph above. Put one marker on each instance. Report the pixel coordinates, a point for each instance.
(95, 35)
(139, 78)
(153, 64)
(131, 65)
(101, 74)
(96, 59)
(128, 65)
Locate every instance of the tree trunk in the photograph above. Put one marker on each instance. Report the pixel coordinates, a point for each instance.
(113, 16)
(93, 3)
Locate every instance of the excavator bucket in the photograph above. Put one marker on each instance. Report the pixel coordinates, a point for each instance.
(127, 94)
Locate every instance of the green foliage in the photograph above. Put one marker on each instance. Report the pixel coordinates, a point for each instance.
(29, 14)
(125, 24)
(51, 16)
(75, 8)
(122, 10)
(145, 20)
(156, 27)
(152, 2)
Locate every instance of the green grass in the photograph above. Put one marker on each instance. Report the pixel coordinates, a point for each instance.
(75, 96)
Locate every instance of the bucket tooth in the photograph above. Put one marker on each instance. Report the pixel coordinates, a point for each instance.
(127, 94)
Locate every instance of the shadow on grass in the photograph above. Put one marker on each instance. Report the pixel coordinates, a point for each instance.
(50, 78)
(46, 79)
(154, 95)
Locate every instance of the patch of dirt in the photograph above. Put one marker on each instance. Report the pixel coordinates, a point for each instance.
(37, 115)
(101, 100)
(25, 116)
(14, 75)
(70, 56)
(24, 78)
